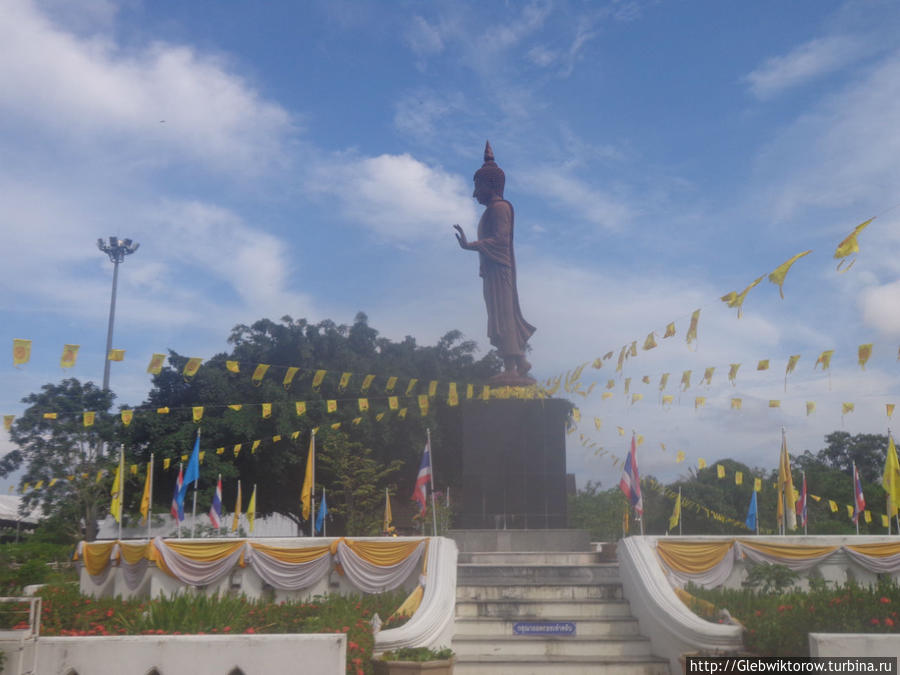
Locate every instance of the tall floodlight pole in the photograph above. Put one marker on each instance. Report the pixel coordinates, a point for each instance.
(116, 249)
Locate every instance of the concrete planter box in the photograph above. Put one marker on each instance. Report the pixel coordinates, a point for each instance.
(412, 667)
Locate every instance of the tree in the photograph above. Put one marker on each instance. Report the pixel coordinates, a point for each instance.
(355, 483)
(65, 449)
(866, 450)
(599, 512)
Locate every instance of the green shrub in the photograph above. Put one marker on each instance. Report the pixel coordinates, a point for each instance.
(418, 654)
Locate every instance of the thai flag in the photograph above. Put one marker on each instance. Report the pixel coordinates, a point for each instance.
(630, 483)
(178, 506)
(215, 511)
(801, 503)
(420, 492)
(859, 501)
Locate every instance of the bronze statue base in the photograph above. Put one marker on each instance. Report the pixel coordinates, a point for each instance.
(511, 380)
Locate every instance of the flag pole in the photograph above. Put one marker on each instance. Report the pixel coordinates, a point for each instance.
(855, 503)
(219, 529)
(680, 509)
(324, 525)
(312, 520)
(196, 480)
(805, 506)
(121, 494)
(177, 519)
(784, 488)
(431, 461)
(150, 504)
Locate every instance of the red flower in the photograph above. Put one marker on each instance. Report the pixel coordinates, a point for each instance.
(874, 622)
(353, 645)
(885, 600)
(759, 612)
(888, 621)
(227, 629)
(250, 630)
(109, 612)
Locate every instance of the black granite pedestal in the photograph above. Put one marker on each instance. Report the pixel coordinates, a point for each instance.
(514, 464)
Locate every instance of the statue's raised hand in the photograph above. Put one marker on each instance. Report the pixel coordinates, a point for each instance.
(461, 237)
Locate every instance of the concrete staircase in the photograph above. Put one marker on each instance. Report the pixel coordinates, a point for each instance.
(546, 612)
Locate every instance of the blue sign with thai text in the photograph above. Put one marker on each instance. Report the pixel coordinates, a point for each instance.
(544, 628)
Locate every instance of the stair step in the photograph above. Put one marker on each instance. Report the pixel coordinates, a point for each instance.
(572, 665)
(494, 574)
(546, 609)
(489, 592)
(529, 558)
(624, 626)
(480, 646)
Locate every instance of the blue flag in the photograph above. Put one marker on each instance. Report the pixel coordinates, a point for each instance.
(320, 516)
(191, 474)
(751, 514)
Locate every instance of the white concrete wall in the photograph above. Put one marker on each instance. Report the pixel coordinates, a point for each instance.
(854, 644)
(319, 654)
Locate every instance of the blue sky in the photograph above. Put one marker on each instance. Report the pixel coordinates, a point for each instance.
(310, 158)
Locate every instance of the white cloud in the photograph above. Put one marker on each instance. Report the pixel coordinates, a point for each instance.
(420, 114)
(423, 38)
(879, 307)
(803, 64)
(541, 56)
(396, 196)
(584, 201)
(90, 90)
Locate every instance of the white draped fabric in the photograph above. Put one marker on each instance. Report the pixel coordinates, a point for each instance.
(371, 578)
(878, 565)
(288, 576)
(710, 578)
(797, 564)
(193, 572)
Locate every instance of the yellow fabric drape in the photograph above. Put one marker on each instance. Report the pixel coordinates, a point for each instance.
(292, 555)
(96, 556)
(382, 553)
(134, 553)
(876, 550)
(411, 604)
(791, 552)
(693, 557)
(204, 551)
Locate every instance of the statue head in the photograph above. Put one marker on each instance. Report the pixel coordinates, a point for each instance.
(490, 175)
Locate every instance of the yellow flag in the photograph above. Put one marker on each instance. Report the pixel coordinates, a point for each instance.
(266, 410)
(88, 419)
(156, 363)
(627, 385)
(330, 405)
(115, 507)
(237, 449)
(597, 363)
(432, 388)
(849, 510)
(289, 377)
(779, 273)
(720, 471)
(792, 363)
(676, 513)
(145, 497)
(787, 497)
(50, 416)
(69, 355)
(810, 408)
(686, 380)
(391, 383)
(317, 379)
(393, 402)
(632, 350)
(251, 511)
(757, 484)
(621, 361)
(486, 392)
(679, 457)
(201, 455)
(167, 462)
(732, 372)
(763, 365)
(699, 402)
(259, 373)
(306, 494)
(423, 404)
(663, 381)
(363, 404)
(620, 431)
(865, 352)
(774, 403)
(411, 387)
(735, 299)
(649, 343)
(387, 523)
(847, 408)
(598, 423)
(197, 412)
(470, 391)
(708, 375)
(885, 521)
(53, 481)
(127, 416)
(850, 244)
(635, 397)
(379, 417)
(867, 515)
(236, 520)
(39, 485)
(890, 479)
(295, 435)
(191, 367)
(21, 351)
(300, 407)
(356, 421)
(344, 381)
(889, 410)
(116, 355)
(606, 395)
(824, 359)
(254, 446)
(667, 399)
(738, 477)
(670, 330)
(701, 463)
(367, 382)
(833, 505)
(7, 421)
(692, 329)
(736, 403)
(232, 366)
(452, 396)
(134, 469)
(402, 413)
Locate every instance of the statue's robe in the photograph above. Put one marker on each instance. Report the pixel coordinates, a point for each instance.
(506, 328)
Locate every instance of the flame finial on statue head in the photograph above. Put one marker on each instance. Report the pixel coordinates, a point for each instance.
(489, 172)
